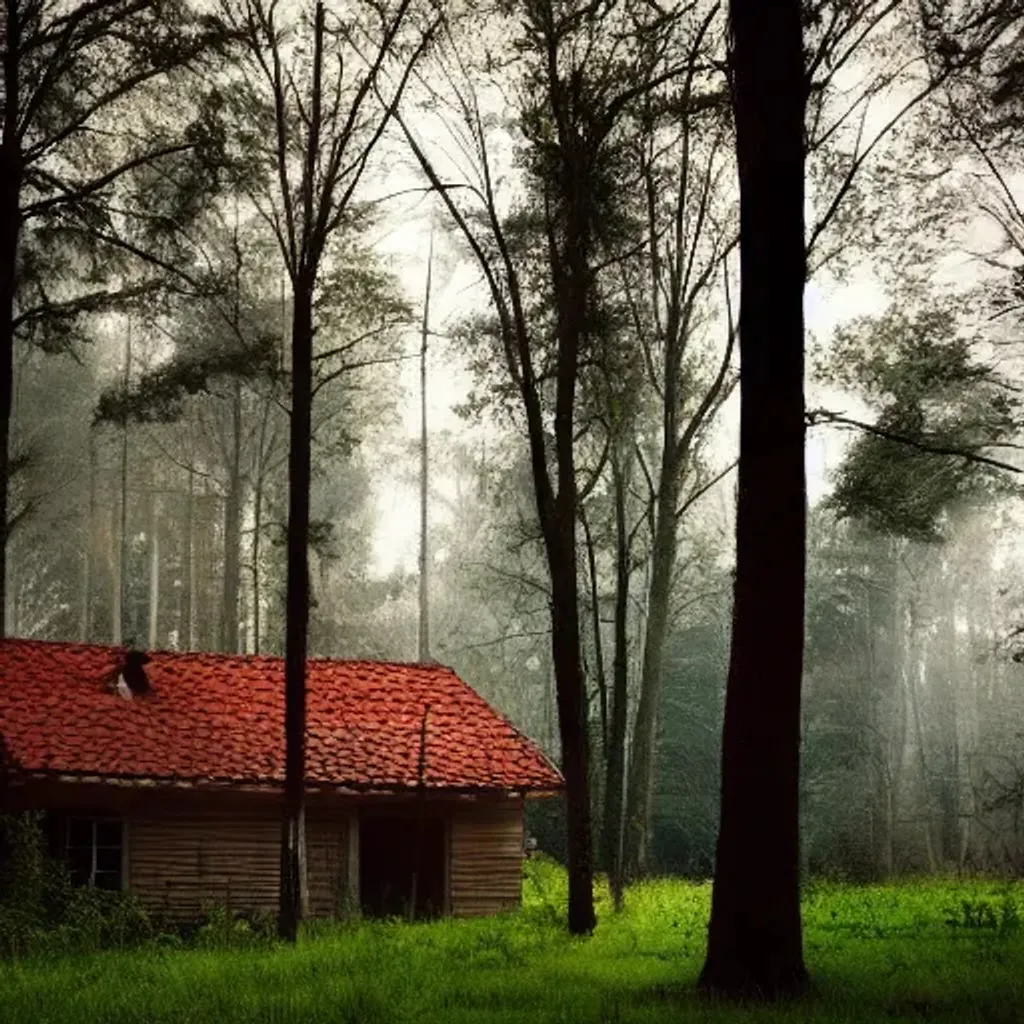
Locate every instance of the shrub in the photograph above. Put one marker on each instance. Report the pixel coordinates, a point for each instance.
(40, 910)
(34, 889)
(224, 929)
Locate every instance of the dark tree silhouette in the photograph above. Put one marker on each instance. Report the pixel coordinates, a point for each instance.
(755, 942)
(70, 74)
(324, 125)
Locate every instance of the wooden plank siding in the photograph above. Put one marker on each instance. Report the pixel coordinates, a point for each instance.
(185, 861)
(186, 852)
(486, 860)
(182, 861)
(326, 863)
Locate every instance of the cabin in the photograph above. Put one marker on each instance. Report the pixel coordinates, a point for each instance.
(162, 773)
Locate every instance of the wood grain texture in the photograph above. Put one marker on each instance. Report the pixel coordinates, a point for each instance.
(183, 862)
(486, 869)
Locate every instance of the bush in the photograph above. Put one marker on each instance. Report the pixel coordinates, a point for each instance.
(40, 910)
(34, 889)
(224, 929)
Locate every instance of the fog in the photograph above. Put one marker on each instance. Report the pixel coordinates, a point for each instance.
(149, 501)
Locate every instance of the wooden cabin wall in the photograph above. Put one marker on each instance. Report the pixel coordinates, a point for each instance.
(183, 861)
(188, 852)
(486, 867)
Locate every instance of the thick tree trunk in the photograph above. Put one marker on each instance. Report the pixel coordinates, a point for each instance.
(10, 231)
(755, 944)
(572, 726)
(293, 880)
(233, 530)
(560, 542)
(640, 788)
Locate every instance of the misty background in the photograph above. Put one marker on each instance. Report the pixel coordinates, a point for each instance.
(149, 441)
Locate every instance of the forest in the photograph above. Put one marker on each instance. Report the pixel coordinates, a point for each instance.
(412, 330)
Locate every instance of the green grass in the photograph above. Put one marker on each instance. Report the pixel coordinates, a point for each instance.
(924, 951)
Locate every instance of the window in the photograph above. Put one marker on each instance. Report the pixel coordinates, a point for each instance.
(93, 851)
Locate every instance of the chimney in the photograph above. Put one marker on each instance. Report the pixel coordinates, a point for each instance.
(131, 677)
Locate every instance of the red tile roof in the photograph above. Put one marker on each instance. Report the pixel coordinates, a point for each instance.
(220, 718)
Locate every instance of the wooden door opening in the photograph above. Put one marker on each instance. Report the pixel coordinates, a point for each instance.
(396, 855)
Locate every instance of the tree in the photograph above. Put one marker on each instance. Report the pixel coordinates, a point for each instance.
(577, 66)
(942, 412)
(71, 78)
(754, 937)
(306, 104)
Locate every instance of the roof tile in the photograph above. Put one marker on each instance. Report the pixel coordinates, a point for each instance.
(219, 717)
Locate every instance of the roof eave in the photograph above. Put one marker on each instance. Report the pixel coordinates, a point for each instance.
(270, 787)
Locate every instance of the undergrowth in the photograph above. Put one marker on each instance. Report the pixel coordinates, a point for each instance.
(948, 951)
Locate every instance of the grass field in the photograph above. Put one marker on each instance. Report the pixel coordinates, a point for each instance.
(926, 951)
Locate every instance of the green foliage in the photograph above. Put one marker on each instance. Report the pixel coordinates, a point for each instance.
(159, 395)
(878, 953)
(41, 912)
(998, 916)
(938, 405)
(222, 929)
(106, 185)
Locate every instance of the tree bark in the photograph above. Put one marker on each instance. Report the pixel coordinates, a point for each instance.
(560, 536)
(755, 945)
(572, 723)
(293, 881)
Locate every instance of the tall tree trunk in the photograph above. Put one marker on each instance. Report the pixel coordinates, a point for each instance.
(595, 628)
(755, 944)
(257, 526)
(187, 623)
(154, 573)
(424, 595)
(914, 685)
(293, 880)
(640, 787)
(114, 553)
(233, 529)
(560, 546)
(899, 718)
(88, 568)
(572, 723)
(258, 484)
(122, 536)
(615, 766)
(10, 232)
